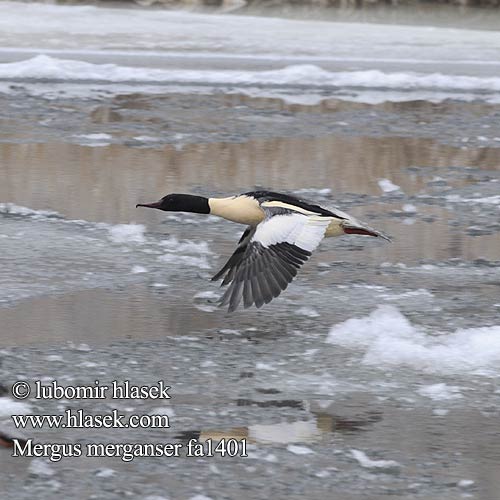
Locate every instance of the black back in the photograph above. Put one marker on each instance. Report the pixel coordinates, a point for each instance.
(292, 200)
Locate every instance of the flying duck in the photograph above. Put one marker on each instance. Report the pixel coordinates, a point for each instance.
(282, 233)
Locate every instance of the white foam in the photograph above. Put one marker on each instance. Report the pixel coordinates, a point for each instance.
(387, 337)
(185, 246)
(178, 252)
(368, 463)
(12, 208)
(440, 392)
(47, 67)
(200, 262)
(127, 233)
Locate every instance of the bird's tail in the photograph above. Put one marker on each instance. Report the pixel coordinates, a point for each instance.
(353, 226)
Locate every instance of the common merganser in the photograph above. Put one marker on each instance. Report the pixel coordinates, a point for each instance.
(282, 232)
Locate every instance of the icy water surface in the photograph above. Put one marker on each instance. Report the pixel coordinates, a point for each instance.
(374, 375)
(398, 402)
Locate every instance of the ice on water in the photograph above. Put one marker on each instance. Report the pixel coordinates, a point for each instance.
(386, 337)
(127, 233)
(43, 67)
(87, 254)
(274, 57)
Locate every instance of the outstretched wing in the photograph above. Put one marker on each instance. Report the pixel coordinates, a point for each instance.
(227, 272)
(269, 255)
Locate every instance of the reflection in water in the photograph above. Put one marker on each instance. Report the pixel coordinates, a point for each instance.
(279, 403)
(100, 316)
(300, 431)
(104, 184)
(7, 439)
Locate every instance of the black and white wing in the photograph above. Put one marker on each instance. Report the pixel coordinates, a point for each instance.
(268, 256)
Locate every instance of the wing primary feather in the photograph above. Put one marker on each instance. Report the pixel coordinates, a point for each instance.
(289, 272)
(237, 292)
(268, 257)
(257, 294)
(247, 293)
(273, 285)
(266, 294)
(235, 258)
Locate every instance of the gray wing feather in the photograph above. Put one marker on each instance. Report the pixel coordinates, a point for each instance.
(262, 273)
(227, 271)
(256, 273)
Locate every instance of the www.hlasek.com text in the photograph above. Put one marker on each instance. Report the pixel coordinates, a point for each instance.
(78, 419)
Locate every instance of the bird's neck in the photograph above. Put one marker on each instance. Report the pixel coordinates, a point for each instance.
(193, 204)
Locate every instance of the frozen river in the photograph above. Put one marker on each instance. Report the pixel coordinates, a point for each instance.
(375, 374)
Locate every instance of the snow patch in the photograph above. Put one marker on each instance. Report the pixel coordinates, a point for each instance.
(47, 67)
(388, 338)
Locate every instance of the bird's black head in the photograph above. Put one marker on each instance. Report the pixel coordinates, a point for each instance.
(180, 203)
